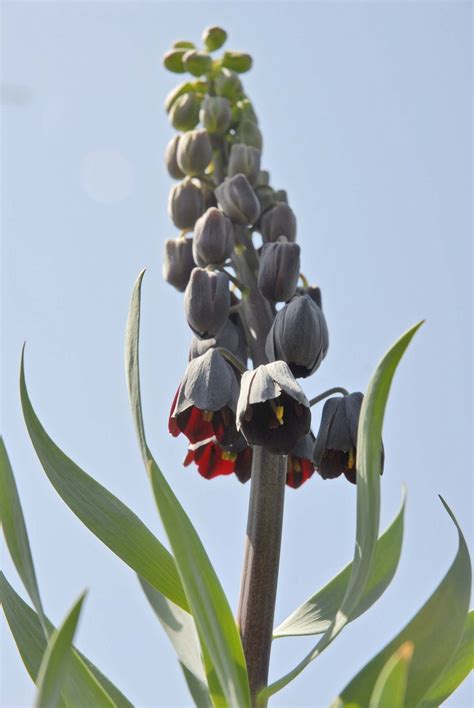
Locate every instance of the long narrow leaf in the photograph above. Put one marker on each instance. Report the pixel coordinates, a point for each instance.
(316, 614)
(369, 440)
(460, 666)
(391, 685)
(213, 617)
(435, 633)
(103, 514)
(56, 660)
(14, 530)
(181, 631)
(85, 684)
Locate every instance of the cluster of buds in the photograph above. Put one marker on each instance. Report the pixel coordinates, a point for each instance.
(242, 302)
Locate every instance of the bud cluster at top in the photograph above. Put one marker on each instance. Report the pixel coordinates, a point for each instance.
(237, 295)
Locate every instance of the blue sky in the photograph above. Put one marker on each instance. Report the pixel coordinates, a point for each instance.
(366, 115)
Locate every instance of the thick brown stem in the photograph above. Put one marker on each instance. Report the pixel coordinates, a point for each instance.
(261, 563)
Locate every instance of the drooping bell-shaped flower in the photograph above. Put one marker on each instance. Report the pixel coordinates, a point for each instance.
(206, 402)
(300, 462)
(279, 271)
(185, 204)
(178, 262)
(237, 200)
(207, 302)
(210, 459)
(272, 411)
(299, 336)
(213, 238)
(335, 449)
(278, 221)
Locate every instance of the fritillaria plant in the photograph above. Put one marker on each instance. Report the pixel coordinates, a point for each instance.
(258, 334)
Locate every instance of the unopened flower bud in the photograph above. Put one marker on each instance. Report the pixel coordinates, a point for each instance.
(227, 84)
(237, 200)
(173, 60)
(272, 410)
(214, 38)
(263, 179)
(197, 63)
(184, 113)
(299, 336)
(279, 270)
(183, 44)
(247, 111)
(194, 152)
(213, 238)
(178, 262)
(207, 302)
(185, 204)
(215, 114)
(207, 194)
(249, 133)
(177, 92)
(314, 293)
(266, 199)
(237, 61)
(244, 159)
(231, 337)
(281, 196)
(278, 221)
(170, 158)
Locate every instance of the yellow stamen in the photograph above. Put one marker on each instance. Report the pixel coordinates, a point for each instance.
(230, 456)
(207, 416)
(296, 465)
(351, 459)
(279, 414)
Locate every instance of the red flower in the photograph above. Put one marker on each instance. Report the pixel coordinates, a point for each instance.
(211, 459)
(300, 462)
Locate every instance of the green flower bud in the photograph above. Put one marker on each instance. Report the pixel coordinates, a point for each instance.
(249, 133)
(227, 84)
(180, 90)
(237, 200)
(173, 60)
(197, 63)
(281, 196)
(184, 114)
(214, 38)
(237, 61)
(278, 221)
(185, 204)
(246, 160)
(170, 158)
(194, 152)
(178, 262)
(215, 114)
(263, 179)
(183, 44)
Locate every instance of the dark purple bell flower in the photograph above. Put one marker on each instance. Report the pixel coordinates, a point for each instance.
(185, 204)
(245, 160)
(299, 336)
(279, 271)
(237, 200)
(207, 302)
(278, 221)
(178, 262)
(335, 449)
(213, 239)
(272, 410)
(231, 337)
(171, 158)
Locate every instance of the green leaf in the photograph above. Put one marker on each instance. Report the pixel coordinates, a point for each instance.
(103, 514)
(459, 667)
(435, 633)
(316, 614)
(56, 660)
(214, 620)
(14, 529)
(85, 684)
(369, 440)
(181, 631)
(390, 687)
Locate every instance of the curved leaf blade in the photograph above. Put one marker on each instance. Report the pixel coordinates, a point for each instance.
(103, 514)
(181, 631)
(316, 614)
(85, 682)
(390, 687)
(56, 659)
(14, 530)
(460, 666)
(435, 633)
(369, 441)
(214, 620)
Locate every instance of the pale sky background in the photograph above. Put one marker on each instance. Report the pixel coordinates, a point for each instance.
(366, 115)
